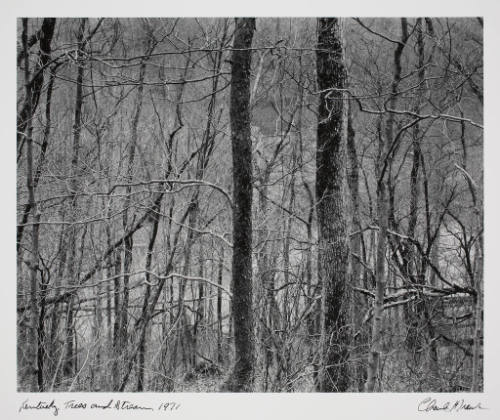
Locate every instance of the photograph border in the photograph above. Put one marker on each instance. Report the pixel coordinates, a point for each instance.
(222, 406)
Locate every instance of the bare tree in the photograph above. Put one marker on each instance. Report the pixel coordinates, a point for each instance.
(242, 375)
(333, 245)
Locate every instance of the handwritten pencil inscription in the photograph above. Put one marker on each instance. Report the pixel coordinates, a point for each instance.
(77, 405)
(430, 404)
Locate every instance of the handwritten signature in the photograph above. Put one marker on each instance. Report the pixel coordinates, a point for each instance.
(431, 404)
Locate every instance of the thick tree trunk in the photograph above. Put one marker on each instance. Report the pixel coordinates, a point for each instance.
(34, 87)
(333, 245)
(242, 375)
(34, 335)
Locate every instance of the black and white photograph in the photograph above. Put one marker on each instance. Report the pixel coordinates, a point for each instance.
(232, 204)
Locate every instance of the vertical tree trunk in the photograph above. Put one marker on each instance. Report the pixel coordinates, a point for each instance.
(56, 315)
(149, 260)
(115, 366)
(200, 306)
(382, 172)
(33, 344)
(415, 318)
(360, 337)
(478, 321)
(380, 279)
(333, 246)
(41, 347)
(242, 375)
(220, 358)
(77, 127)
(128, 244)
(42, 342)
(41, 159)
(264, 295)
(182, 332)
(34, 89)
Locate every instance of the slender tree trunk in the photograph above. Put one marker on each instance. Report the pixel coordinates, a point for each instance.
(182, 326)
(415, 320)
(149, 260)
(358, 301)
(264, 294)
(241, 378)
(333, 246)
(115, 367)
(42, 342)
(41, 348)
(128, 244)
(476, 384)
(220, 357)
(380, 279)
(97, 334)
(69, 363)
(200, 306)
(383, 177)
(56, 315)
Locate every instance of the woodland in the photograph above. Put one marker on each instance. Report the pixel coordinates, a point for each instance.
(250, 204)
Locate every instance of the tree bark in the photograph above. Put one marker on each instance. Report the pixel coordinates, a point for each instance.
(241, 377)
(333, 245)
(34, 87)
(33, 362)
(77, 127)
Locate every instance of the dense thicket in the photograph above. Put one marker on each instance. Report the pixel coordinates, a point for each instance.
(142, 144)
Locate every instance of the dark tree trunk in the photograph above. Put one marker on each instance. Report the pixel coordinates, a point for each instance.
(41, 159)
(34, 334)
(56, 314)
(242, 375)
(149, 260)
(69, 363)
(35, 85)
(333, 246)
